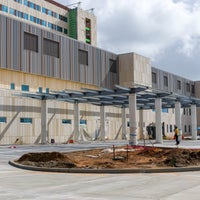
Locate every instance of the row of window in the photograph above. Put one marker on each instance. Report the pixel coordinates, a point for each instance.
(27, 120)
(50, 47)
(43, 9)
(25, 88)
(33, 19)
(189, 88)
(170, 128)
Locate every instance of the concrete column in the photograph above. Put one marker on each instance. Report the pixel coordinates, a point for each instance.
(178, 116)
(142, 124)
(102, 122)
(124, 123)
(132, 119)
(194, 121)
(158, 113)
(76, 121)
(44, 126)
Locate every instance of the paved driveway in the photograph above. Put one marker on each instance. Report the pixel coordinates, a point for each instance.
(24, 185)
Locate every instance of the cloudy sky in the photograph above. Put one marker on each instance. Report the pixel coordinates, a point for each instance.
(167, 31)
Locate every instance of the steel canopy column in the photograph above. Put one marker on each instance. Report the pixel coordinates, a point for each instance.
(44, 125)
(132, 119)
(178, 116)
(194, 121)
(102, 122)
(76, 121)
(124, 123)
(158, 113)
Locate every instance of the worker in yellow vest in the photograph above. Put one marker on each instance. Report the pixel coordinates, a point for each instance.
(176, 131)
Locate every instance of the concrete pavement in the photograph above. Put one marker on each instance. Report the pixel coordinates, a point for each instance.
(24, 185)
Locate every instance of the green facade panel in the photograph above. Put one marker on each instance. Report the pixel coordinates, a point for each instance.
(73, 23)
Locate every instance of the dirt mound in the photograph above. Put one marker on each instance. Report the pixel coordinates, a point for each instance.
(121, 157)
(46, 159)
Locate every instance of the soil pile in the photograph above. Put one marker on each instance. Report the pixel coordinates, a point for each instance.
(117, 158)
(47, 159)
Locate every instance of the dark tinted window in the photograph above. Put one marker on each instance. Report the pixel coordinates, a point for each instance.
(83, 57)
(51, 48)
(30, 42)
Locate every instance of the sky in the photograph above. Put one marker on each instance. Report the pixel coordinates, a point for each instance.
(166, 31)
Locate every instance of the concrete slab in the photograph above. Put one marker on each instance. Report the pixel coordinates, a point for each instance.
(24, 185)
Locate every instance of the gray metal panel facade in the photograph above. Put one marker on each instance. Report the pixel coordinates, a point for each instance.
(172, 83)
(13, 56)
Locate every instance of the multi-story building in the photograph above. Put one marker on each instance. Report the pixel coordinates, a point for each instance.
(55, 87)
(76, 23)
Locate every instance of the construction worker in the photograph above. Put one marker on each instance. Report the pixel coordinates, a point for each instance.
(176, 131)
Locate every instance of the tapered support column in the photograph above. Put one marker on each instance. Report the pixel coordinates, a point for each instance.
(142, 124)
(178, 116)
(102, 122)
(76, 122)
(194, 121)
(132, 119)
(124, 123)
(158, 112)
(44, 130)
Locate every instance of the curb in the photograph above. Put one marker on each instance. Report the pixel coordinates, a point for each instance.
(105, 171)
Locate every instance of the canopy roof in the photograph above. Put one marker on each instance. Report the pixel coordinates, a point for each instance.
(119, 96)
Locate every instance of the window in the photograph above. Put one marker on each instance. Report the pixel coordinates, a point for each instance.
(30, 42)
(189, 128)
(113, 66)
(170, 127)
(12, 86)
(128, 124)
(18, 1)
(65, 31)
(3, 8)
(165, 110)
(51, 48)
(193, 90)
(187, 87)
(26, 120)
(40, 89)
(3, 119)
(25, 88)
(83, 121)
(83, 57)
(165, 81)
(60, 29)
(63, 18)
(185, 128)
(47, 90)
(154, 77)
(178, 85)
(66, 121)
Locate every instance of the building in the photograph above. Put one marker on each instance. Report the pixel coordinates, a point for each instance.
(50, 15)
(56, 88)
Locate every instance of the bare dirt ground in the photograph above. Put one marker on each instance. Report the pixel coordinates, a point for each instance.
(117, 158)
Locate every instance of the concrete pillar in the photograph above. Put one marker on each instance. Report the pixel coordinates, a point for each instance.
(194, 121)
(124, 123)
(76, 122)
(178, 116)
(132, 119)
(158, 113)
(102, 122)
(44, 126)
(142, 124)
